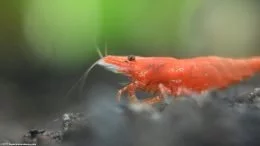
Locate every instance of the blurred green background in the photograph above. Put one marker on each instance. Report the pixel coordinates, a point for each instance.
(45, 45)
(64, 33)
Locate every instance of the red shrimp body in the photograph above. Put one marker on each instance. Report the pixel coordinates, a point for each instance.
(181, 76)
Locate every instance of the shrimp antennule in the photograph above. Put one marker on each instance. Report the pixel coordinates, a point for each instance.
(99, 52)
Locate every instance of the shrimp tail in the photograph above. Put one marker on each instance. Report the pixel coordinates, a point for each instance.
(222, 72)
(255, 64)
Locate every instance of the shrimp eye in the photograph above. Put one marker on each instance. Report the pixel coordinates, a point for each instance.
(131, 58)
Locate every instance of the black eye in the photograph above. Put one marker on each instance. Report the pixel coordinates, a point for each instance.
(131, 58)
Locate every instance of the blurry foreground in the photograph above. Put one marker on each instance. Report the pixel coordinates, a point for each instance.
(219, 121)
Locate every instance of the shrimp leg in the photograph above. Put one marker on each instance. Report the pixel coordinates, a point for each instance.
(131, 92)
(153, 100)
(159, 98)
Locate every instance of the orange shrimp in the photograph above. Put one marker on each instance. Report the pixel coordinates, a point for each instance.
(163, 76)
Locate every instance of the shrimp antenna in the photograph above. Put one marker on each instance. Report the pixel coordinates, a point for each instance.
(83, 78)
(85, 75)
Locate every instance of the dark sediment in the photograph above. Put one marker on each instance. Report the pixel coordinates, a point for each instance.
(219, 121)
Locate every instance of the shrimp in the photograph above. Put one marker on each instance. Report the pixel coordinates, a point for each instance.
(167, 76)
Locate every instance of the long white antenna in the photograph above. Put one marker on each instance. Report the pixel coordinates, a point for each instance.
(82, 78)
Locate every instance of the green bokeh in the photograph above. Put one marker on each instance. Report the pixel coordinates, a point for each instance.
(66, 31)
(62, 30)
